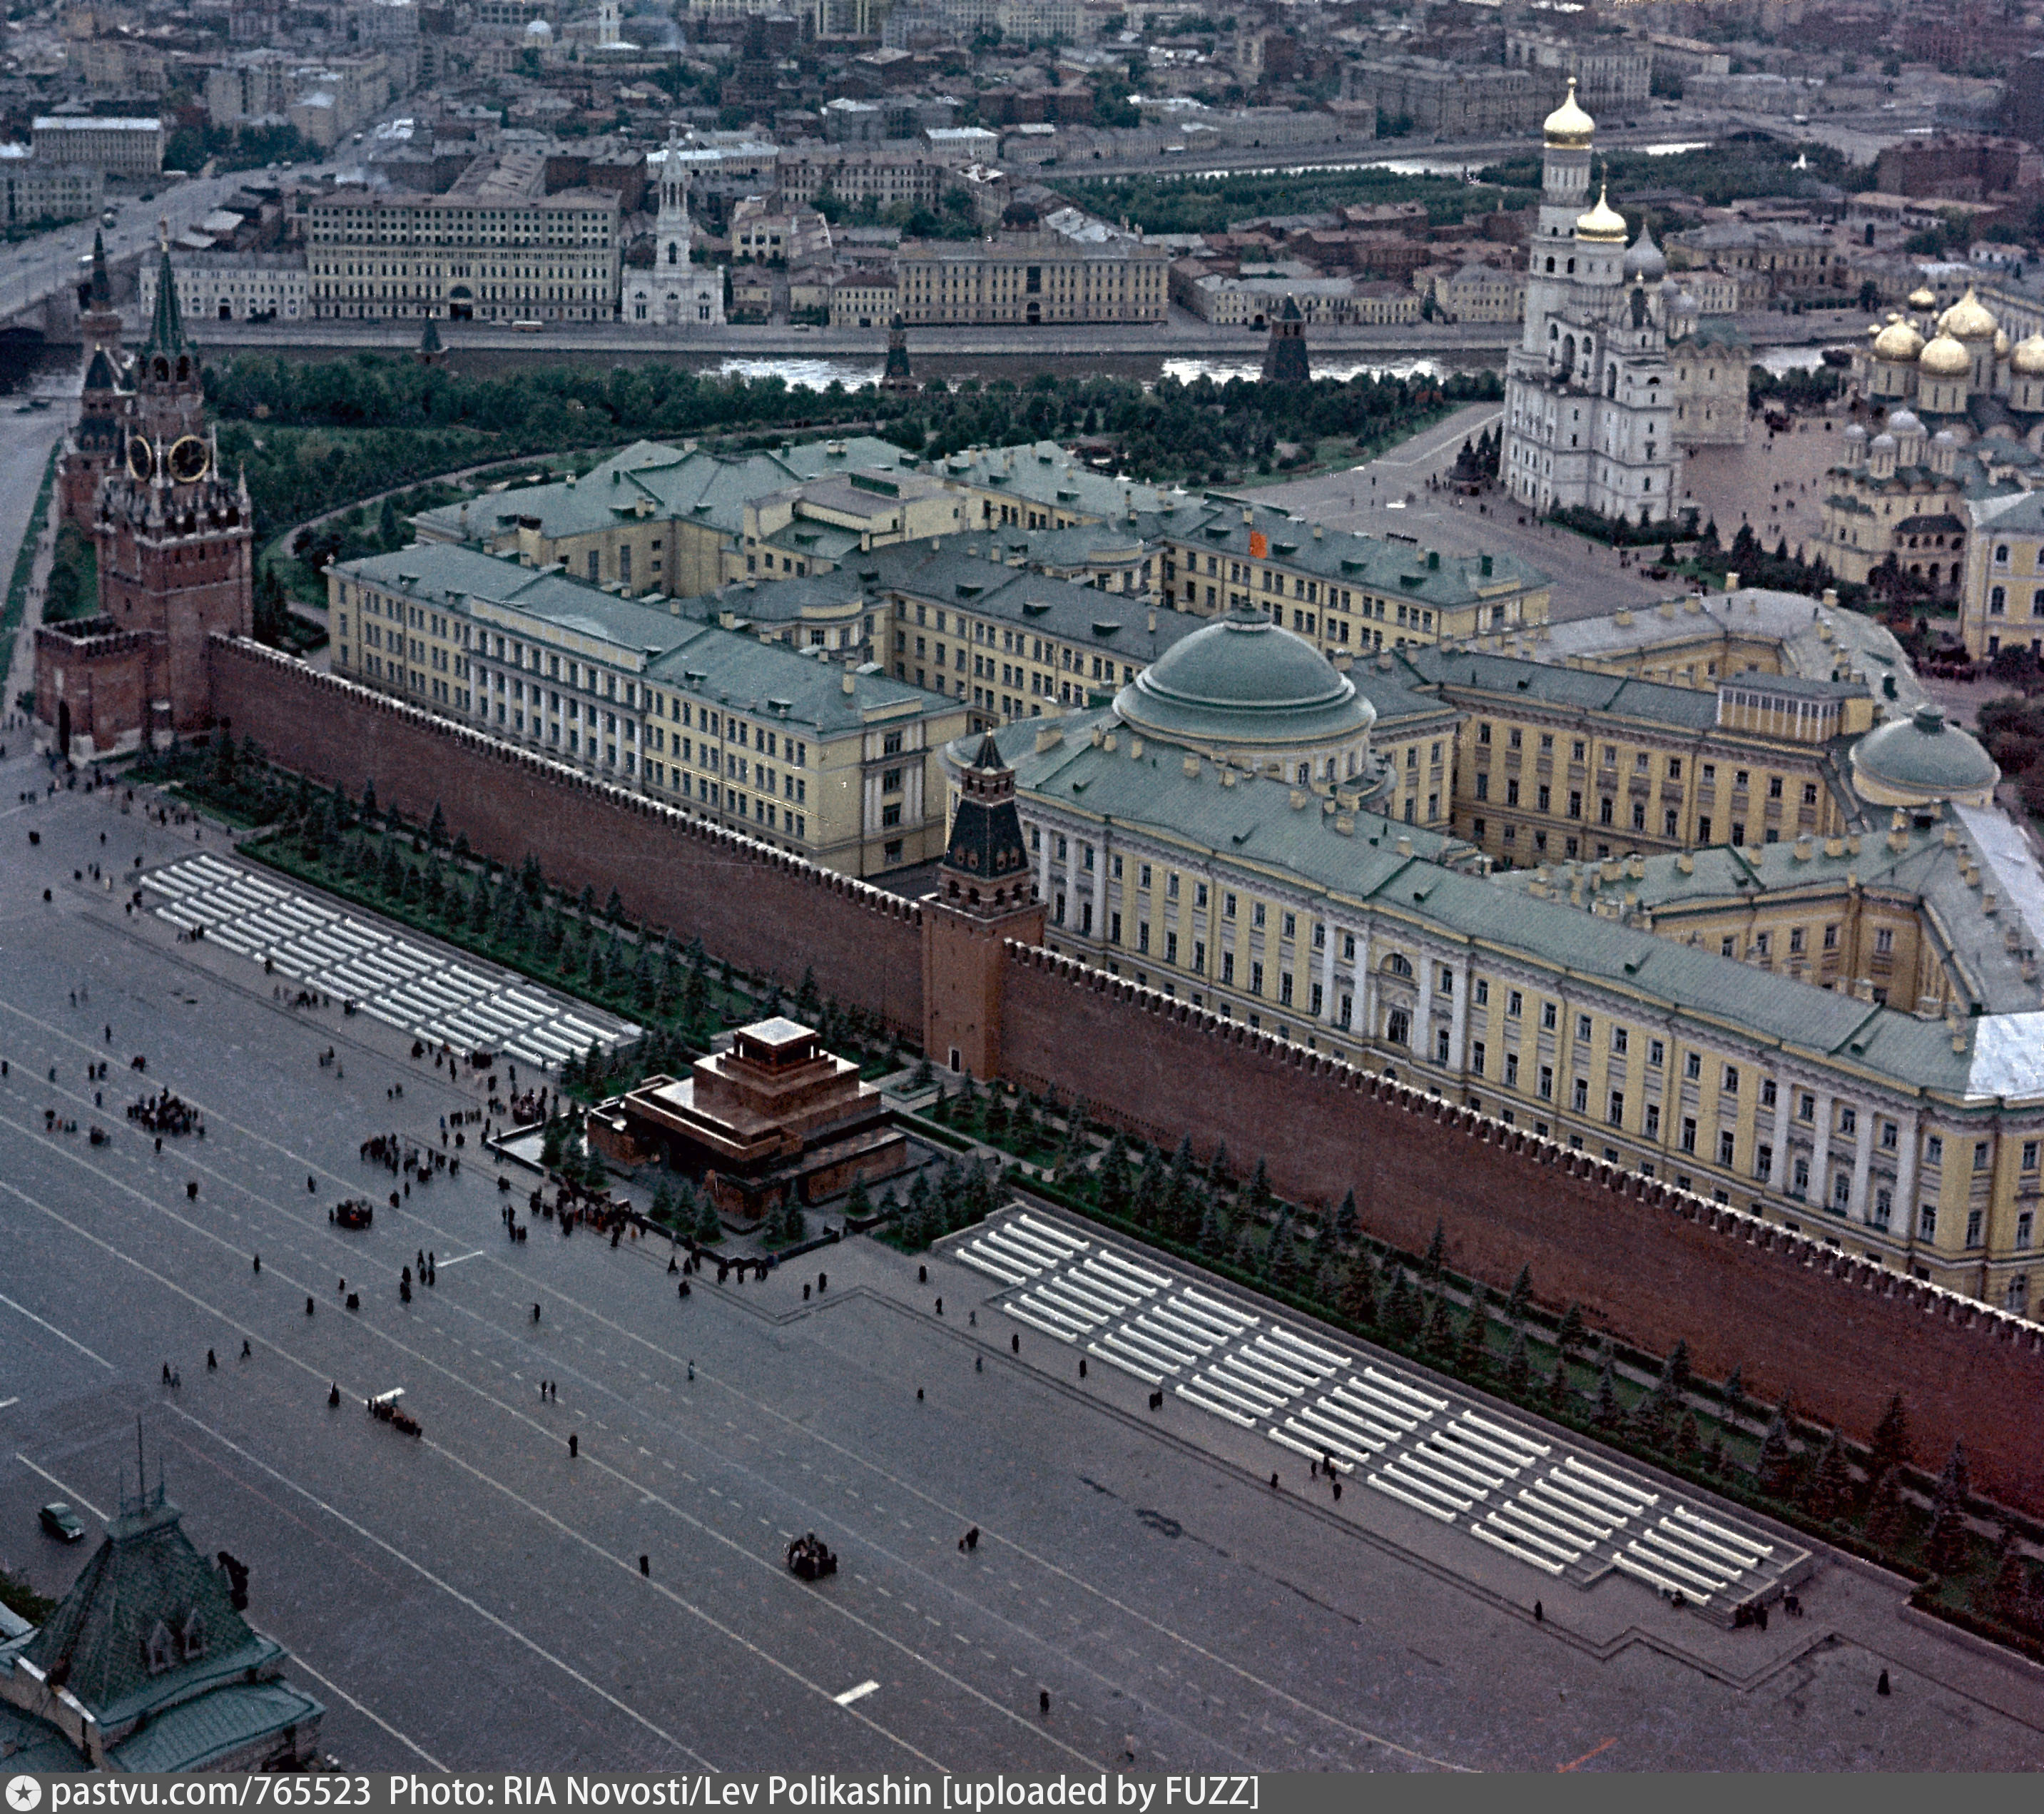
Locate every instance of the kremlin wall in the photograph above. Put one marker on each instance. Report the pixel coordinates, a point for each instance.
(1648, 1263)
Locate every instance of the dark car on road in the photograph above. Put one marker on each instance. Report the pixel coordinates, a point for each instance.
(60, 1521)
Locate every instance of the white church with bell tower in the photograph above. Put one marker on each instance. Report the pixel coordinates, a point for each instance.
(677, 293)
(1609, 377)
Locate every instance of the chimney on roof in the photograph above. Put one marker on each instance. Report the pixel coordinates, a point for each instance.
(848, 685)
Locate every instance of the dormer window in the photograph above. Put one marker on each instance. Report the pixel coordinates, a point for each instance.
(194, 1637)
(158, 1650)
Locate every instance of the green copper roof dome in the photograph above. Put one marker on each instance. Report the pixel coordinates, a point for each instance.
(1244, 680)
(1921, 758)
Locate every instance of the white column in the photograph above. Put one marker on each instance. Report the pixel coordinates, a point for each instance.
(1783, 1092)
(1100, 893)
(1422, 1020)
(1458, 1021)
(1043, 863)
(1863, 1119)
(1905, 1175)
(1329, 1016)
(1820, 1154)
(1360, 1023)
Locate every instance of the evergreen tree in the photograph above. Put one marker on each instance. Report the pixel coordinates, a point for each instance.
(1348, 1224)
(2006, 1585)
(808, 999)
(1687, 1435)
(1775, 1470)
(709, 1225)
(859, 1204)
(436, 828)
(1327, 1280)
(1472, 1353)
(1827, 1492)
(1675, 1370)
(1403, 1310)
(369, 812)
(1359, 1290)
(1219, 1176)
(1258, 1197)
(1887, 1515)
(1214, 1234)
(1437, 1253)
(1437, 1334)
(793, 1228)
(1518, 1365)
(1568, 1334)
(1521, 1299)
(1556, 1388)
(1282, 1266)
(1949, 1546)
(613, 908)
(1115, 1186)
(662, 1208)
(1606, 1412)
(1181, 1204)
(1733, 1394)
(1714, 1456)
(1890, 1446)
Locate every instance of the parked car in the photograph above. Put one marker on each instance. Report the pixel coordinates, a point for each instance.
(60, 1521)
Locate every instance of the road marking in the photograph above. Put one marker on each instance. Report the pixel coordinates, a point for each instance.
(858, 1693)
(458, 1258)
(333, 1687)
(447, 1587)
(5, 1403)
(69, 1492)
(1563, 1769)
(478, 1474)
(60, 1335)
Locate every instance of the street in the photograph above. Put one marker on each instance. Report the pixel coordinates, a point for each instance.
(475, 1597)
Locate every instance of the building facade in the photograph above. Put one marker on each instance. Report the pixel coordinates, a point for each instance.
(120, 147)
(32, 189)
(232, 285)
(1034, 278)
(1558, 1001)
(835, 763)
(464, 256)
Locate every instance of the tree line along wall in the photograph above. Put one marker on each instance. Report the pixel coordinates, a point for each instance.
(1648, 1263)
(762, 909)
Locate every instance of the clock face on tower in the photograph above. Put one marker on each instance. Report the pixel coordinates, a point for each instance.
(141, 459)
(188, 459)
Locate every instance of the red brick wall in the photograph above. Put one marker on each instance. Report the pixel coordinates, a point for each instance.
(760, 907)
(1646, 1262)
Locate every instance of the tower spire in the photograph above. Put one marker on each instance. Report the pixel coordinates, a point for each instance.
(167, 327)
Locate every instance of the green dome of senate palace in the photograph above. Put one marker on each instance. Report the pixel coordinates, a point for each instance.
(1913, 761)
(1243, 681)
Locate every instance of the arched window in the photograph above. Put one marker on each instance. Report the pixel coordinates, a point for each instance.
(1572, 267)
(673, 252)
(1550, 267)
(1997, 601)
(1397, 964)
(2036, 603)
(1306, 773)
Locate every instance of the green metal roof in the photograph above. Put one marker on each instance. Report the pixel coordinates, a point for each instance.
(1253, 827)
(737, 670)
(1922, 754)
(1243, 680)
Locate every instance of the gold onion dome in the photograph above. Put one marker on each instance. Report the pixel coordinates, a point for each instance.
(1568, 128)
(1945, 358)
(1966, 320)
(2027, 357)
(1923, 300)
(1603, 225)
(1898, 342)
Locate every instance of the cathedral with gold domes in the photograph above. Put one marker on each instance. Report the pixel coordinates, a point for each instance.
(1948, 413)
(1611, 380)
